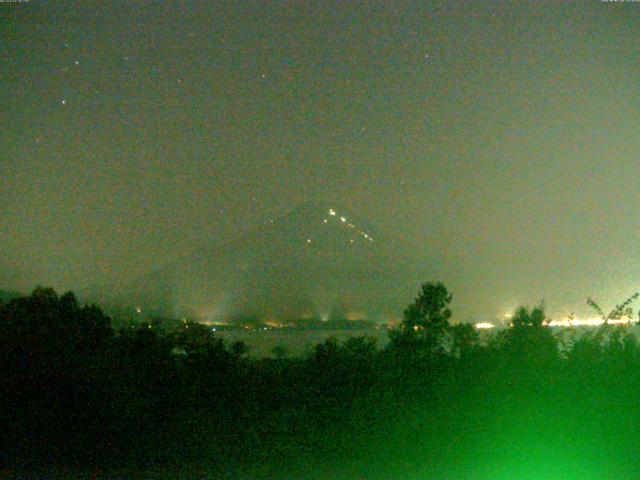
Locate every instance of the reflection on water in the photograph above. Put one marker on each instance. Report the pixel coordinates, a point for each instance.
(296, 342)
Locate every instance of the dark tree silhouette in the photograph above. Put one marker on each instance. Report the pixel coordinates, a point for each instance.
(76, 394)
(464, 339)
(425, 323)
(619, 311)
(529, 343)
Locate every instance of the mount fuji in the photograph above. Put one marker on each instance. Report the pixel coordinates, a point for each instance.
(317, 261)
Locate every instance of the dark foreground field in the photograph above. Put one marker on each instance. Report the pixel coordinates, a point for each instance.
(80, 400)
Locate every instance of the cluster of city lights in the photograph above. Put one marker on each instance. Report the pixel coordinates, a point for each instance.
(589, 322)
(571, 322)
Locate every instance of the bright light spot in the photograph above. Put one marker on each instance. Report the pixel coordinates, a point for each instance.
(325, 221)
(351, 240)
(213, 329)
(64, 102)
(588, 322)
(506, 319)
(308, 240)
(342, 219)
(138, 310)
(332, 212)
(484, 325)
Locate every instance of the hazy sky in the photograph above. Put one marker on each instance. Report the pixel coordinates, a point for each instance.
(503, 139)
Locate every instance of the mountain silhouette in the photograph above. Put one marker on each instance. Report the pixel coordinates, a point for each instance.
(315, 261)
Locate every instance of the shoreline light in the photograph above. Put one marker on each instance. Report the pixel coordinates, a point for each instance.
(567, 323)
(589, 322)
(484, 325)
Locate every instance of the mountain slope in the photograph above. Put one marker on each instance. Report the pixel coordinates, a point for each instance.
(315, 261)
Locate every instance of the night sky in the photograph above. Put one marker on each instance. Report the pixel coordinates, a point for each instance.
(501, 140)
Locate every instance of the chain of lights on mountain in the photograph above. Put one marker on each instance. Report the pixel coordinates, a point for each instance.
(332, 213)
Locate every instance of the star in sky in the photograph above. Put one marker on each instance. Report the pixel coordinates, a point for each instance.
(354, 118)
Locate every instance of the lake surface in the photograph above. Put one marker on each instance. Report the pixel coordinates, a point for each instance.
(296, 342)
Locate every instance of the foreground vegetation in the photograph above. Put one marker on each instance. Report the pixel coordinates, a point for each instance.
(82, 400)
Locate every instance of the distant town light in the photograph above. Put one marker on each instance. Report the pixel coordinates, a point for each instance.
(332, 212)
(484, 325)
(589, 322)
(342, 219)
